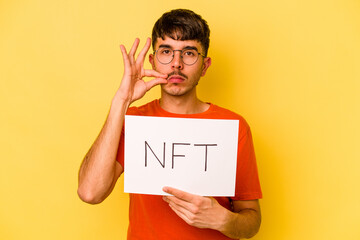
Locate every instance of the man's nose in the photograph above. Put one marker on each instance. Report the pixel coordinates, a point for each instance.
(177, 60)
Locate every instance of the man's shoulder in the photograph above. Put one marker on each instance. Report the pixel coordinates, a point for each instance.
(217, 112)
(224, 113)
(143, 110)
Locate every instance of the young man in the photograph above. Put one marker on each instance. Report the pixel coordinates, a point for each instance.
(180, 41)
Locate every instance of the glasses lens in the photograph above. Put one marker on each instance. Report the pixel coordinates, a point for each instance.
(164, 55)
(189, 56)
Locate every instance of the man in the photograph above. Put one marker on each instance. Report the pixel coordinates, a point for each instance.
(180, 40)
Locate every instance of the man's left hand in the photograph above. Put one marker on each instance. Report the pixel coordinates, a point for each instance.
(197, 211)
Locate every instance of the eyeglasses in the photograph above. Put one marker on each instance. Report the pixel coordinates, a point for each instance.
(189, 56)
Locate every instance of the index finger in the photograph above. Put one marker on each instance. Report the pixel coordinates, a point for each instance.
(179, 194)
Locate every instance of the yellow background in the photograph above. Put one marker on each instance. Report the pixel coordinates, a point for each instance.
(291, 68)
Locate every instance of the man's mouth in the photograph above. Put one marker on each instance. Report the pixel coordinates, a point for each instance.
(176, 77)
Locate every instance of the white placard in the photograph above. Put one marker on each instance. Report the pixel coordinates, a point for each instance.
(194, 155)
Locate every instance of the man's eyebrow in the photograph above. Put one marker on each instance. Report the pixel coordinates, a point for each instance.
(191, 47)
(187, 47)
(164, 46)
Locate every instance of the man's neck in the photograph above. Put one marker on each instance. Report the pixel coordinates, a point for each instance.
(183, 104)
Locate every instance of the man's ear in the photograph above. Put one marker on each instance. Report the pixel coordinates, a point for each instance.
(206, 65)
(151, 60)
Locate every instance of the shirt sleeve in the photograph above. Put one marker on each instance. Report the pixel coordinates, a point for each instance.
(247, 185)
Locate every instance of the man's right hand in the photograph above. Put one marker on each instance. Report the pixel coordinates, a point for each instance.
(132, 86)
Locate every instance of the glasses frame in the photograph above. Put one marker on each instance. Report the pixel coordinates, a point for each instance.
(181, 51)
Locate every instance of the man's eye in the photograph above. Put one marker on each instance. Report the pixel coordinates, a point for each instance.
(166, 51)
(189, 53)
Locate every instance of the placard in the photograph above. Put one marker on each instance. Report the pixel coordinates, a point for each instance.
(198, 156)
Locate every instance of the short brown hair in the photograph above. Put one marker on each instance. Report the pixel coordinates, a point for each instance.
(182, 24)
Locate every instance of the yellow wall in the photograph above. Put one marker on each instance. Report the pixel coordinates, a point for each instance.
(291, 68)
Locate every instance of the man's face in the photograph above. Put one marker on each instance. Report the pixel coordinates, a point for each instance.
(182, 79)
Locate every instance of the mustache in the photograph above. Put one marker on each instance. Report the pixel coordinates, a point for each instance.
(177, 73)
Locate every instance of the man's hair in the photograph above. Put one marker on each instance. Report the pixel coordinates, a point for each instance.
(182, 24)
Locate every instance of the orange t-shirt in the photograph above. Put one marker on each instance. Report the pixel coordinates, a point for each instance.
(151, 218)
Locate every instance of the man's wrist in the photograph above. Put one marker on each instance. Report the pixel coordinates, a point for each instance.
(120, 101)
(119, 107)
(226, 221)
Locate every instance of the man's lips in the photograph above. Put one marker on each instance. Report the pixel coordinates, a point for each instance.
(176, 79)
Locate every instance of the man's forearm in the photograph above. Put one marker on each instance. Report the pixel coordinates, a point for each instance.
(244, 224)
(99, 172)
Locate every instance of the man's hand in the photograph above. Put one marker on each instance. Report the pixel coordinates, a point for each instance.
(132, 86)
(206, 212)
(197, 211)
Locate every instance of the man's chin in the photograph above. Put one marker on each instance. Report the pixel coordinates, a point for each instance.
(173, 90)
